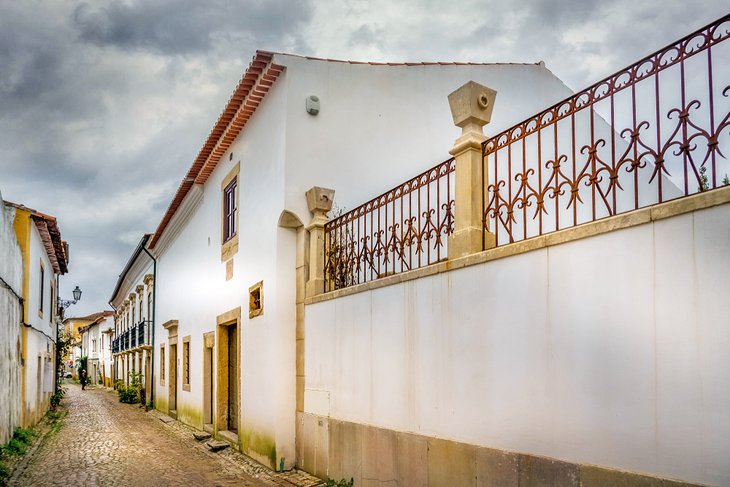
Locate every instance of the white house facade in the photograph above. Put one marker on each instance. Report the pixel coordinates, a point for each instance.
(44, 260)
(230, 250)
(96, 347)
(133, 303)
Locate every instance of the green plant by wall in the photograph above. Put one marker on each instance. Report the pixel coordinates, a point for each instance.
(340, 483)
(18, 445)
(132, 394)
(64, 342)
(57, 396)
(704, 180)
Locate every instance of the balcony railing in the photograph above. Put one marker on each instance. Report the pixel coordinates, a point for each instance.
(402, 229)
(654, 131)
(138, 336)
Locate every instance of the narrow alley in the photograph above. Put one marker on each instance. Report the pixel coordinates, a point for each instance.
(104, 442)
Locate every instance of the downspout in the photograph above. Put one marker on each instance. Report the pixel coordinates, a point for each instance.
(154, 320)
(114, 359)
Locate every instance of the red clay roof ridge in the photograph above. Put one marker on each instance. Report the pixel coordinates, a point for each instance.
(399, 63)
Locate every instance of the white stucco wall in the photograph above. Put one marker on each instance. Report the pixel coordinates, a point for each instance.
(41, 332)
(38, 254)
(378, 126)
(381, 125)
(192, 286)
(610, 350)
(11, 271)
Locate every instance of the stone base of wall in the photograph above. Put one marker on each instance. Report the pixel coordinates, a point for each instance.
(330, 448)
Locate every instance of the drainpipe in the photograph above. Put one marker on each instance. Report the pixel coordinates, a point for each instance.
(114, 359)
(154, 320)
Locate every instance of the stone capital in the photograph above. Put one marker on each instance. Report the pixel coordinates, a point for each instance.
(320, 199)
(471, 106)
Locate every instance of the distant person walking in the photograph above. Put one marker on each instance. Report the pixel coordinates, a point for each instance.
(82, 377)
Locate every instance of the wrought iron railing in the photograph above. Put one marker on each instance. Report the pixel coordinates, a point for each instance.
(137, 336)
(143, 333)
(654, 131)
(402, 229)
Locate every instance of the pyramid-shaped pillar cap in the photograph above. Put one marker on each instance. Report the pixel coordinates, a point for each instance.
(320, 199)
(472, 105)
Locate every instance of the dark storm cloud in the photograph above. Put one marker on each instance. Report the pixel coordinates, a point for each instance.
(180, 27)
(104, 104)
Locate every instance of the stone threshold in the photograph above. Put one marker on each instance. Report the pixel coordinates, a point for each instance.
(679, 206)
(230, 437)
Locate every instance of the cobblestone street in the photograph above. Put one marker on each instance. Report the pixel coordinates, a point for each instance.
(104, 442)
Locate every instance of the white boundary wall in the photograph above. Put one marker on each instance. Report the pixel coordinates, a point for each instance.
(611, 350)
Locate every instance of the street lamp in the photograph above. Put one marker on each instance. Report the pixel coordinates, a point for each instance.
(64, 303)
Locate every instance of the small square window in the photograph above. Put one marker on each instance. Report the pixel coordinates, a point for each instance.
(256, 300)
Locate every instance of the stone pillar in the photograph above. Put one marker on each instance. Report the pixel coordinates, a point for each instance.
(471, 108)
(319, 201)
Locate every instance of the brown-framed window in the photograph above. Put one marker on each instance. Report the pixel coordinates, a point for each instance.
(186, 363)
(40, 294)
(229, 210)
(162, 364)
(149, 307)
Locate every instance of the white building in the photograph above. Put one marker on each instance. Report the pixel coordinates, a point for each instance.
(231, 247)
(580, 345)
(133, 302)
(11, 280)
(96, 347)
(44, 260)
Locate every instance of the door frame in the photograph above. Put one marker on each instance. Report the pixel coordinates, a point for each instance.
(209, 379)
(171, 327)
(223, 321)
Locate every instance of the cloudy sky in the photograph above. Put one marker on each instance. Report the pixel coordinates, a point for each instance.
(105, 104)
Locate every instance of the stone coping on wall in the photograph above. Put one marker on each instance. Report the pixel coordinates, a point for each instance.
(680, 206)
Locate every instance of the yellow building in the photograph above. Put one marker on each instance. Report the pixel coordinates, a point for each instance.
(75, 325)
(44, 259)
